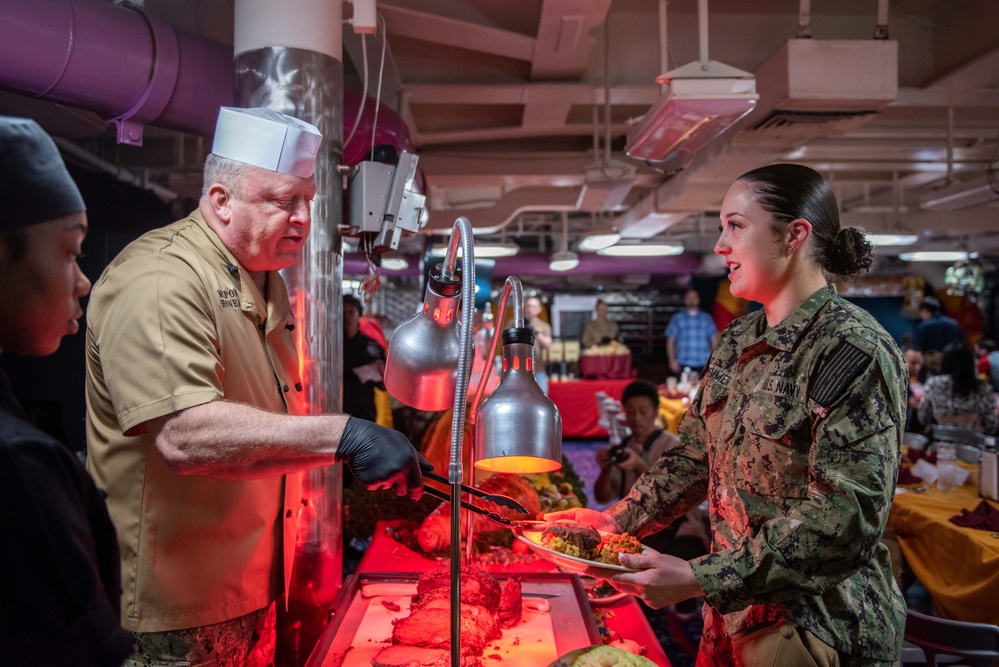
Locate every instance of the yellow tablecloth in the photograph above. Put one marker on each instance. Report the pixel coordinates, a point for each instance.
(671, 410)
(958, 566)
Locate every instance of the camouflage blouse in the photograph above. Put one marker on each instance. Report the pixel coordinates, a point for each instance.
(794, 439)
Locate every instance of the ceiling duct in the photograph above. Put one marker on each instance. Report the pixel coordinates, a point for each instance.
(979, 191)
(606, 184)
(815, 88)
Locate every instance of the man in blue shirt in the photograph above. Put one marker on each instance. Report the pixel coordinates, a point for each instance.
(690, 336)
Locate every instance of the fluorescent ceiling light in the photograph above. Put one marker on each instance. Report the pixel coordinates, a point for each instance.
(595, 242)
(704, 99)
(483, 250)
(642, 250)
(933, 256)
(892, 239)
(564, 260)
(979, 191)
(394, 263)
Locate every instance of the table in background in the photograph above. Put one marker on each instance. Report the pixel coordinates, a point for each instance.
(624, 616)
(671, 409)
(576, 402)
(958, 566)
(606, 366)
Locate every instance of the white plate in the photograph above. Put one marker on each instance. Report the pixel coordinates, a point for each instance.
(571, 563)
(592, 585)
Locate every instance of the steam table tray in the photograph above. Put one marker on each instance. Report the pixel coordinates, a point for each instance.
(361, 625)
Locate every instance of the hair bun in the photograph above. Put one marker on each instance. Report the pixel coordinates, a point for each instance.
(850, 254)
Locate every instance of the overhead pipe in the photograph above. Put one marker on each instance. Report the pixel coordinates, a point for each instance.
(120, 61)
(133, 69)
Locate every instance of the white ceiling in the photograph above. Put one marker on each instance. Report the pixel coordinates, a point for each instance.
(505, 99)
(502, 98)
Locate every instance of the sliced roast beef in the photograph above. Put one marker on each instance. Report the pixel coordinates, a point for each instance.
(417, 656)
(430, 626)
(511, 603)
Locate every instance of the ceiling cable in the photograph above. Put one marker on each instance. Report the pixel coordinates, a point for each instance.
(364, 91)
(378, 94)
(607, 113)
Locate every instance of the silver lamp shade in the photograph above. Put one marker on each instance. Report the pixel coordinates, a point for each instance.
(519, 429)
(421, 367)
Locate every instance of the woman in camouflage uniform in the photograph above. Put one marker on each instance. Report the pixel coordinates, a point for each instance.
(794, 439)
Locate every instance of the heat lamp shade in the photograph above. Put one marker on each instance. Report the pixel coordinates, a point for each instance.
(518, 429)
(421, 367)
(691, 114)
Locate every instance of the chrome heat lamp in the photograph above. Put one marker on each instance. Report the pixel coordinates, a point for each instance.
(428, 366)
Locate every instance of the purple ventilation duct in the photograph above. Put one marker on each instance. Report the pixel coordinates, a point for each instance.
(123, 63)
(133, 68)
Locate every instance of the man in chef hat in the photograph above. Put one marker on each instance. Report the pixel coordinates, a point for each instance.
(195, 417)
(59, 576)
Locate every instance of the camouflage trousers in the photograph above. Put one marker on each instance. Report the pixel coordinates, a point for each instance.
(246, 641)
(779, 644)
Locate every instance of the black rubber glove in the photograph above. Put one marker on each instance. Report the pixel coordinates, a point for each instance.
(381, 458)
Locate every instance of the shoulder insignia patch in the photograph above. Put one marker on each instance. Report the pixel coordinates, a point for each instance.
(840, 369)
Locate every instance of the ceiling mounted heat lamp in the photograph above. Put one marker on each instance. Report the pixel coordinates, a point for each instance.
(703, 99)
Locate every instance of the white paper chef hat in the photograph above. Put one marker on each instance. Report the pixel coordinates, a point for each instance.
(267, 139)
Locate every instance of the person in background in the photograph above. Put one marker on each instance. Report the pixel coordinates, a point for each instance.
(363, 363)
(794, 438)
(600, 330)
(690, 336)
(935, 332)
(957, 396)
(196, 423)
(987, 361)
(60, 586)
(542, 339)
(914, 391)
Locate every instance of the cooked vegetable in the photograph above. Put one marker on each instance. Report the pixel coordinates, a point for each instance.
(601, 656)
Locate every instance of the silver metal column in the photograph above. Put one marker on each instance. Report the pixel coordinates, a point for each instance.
(291, 61)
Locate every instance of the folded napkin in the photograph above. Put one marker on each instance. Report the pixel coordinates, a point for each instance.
(983, 517)
(917, 454)
(905, 476)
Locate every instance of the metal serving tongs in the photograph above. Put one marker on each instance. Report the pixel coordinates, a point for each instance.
(499, 499)
(516, 526)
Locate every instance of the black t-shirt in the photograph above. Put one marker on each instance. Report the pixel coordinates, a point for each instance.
(359, 397)
(60, 583)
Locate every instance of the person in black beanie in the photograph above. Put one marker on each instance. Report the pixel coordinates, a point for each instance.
(60, 587)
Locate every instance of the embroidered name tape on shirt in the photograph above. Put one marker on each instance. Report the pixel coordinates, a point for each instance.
(840, 369)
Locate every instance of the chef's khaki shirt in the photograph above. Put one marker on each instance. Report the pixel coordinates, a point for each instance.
(175, 322)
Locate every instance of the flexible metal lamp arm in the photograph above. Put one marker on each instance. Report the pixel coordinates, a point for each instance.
(461, 231)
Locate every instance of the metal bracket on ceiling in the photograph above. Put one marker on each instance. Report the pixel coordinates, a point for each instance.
(162, 79)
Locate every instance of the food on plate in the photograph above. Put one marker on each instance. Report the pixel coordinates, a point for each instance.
(574, 539)
(612, 545)
(415, 656)
(601, 655)
(486, 607)
(570, 538)
(435, 531)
